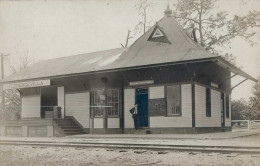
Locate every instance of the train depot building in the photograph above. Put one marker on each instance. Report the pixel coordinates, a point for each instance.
(178, 86)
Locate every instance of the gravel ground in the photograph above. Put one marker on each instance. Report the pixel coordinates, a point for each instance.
(57, 156)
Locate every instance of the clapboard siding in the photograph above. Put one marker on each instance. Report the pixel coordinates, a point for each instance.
(156, 92)
(31, 107)
(113, 123)
(129, 101)
(98, 123)
(200, 108)
(77, 105)
(181, 121)
(228, 120)
(216, 107)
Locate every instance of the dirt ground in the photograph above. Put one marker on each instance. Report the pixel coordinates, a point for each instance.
(57, 156)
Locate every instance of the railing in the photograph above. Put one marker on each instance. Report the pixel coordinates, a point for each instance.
(53, 112)
(254, 124)
(245, 124)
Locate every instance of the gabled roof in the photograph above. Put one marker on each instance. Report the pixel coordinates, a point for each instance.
(180, 48)
(67, 65)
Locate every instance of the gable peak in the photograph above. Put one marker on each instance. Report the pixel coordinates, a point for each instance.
(168, 11)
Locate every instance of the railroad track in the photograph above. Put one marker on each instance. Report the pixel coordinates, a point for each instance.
(152, 147)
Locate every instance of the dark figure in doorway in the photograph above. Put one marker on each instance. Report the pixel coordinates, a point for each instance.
(134, 112)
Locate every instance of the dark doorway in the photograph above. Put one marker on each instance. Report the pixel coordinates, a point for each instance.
(142, 101)
(222, 110)
(48, 101)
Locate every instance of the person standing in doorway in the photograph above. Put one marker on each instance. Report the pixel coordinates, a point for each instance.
(134, 112)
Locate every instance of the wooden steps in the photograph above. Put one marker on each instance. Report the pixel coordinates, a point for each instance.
(69, 126)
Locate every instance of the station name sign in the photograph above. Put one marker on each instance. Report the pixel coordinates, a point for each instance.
(138, 83)
(27, 84)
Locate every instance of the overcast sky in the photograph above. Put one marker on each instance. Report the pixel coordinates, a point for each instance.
(52, 29)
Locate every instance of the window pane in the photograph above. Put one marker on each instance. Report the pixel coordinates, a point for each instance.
(109, 111)
(109, 96)
(99, 102)
(116, 106)
(113, 101)
(174, 100)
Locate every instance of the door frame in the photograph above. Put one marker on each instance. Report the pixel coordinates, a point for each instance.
(42, 89)
(148, 117)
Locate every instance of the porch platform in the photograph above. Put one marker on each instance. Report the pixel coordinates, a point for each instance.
(27, 128)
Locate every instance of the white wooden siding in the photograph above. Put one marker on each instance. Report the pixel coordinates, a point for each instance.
(31, 107)
(129, 101)
(200, 108)
(61, 100)
(182, 121)
(113, 123)
(228, 120)
(77, 105)
(156, 92)
(98, 123)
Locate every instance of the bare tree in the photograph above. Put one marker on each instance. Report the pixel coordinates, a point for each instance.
(20, 63)
(215, 29)
(128, 37)
(12, 108)
(143, 6)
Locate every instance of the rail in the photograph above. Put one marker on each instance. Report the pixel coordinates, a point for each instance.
(154, 147)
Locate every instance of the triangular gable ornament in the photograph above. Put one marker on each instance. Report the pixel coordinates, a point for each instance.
(158, 35)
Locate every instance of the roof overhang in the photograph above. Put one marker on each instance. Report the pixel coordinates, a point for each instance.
(232, 68)
(7, 81)
(217, 60)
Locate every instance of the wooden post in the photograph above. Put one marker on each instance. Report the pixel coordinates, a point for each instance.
(61, 100)
(2, 88)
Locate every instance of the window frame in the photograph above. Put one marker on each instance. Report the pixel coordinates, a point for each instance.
(208, 102)
(166, 97)
(94, 109)
(105, 109)
(227, 105)
(118, 102)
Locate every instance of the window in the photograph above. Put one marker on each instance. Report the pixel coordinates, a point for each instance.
(99, 102)
(106, 101)
(113, 102)
(227, 106)
(174, 100)
(208, 102)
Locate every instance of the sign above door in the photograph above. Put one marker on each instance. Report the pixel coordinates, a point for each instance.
(138, 83)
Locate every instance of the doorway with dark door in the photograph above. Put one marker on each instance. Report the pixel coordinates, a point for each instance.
(48, 101)
(142, 102)
(222, 110)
